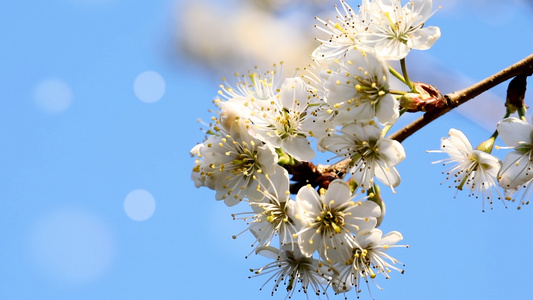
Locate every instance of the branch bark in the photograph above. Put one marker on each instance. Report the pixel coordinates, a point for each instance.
(523, 67)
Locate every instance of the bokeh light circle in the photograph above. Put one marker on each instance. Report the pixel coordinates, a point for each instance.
(53, 95)
(139, 205)
(149, 87)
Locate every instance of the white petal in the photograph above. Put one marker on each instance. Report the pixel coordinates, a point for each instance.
(308, 202)
(309, 241)
(328, 51)
(298, 147)
(424, 38)
(391, 49)
(387, 174)
(267, 158)
(337, 90)
(293, 94)
(279, 183)
(456, 145)
(513, 131)
(390, 151)
(391, 238)
(515, 171)
(268, 252)
(423, 8)
(338, 191)
(367, 239)
(367, 210)
(388, 109)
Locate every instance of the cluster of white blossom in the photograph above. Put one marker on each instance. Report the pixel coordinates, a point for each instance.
(327, 237)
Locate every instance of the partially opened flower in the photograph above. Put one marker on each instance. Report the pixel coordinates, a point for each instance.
(330, 220)
(473, 169)
(291, 268)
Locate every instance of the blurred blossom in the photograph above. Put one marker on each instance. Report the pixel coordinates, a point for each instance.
(276, 5)
(225, 38)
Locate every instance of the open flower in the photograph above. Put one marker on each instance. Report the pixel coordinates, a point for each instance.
(330, 220)
(273, 113)
(395, 30)
(274, 214)
(279, 120)
(290, 268)
(360, 90)
(473, 169)
(369, 259)
(371, 155)
(344, 32)
(234, 164)
(517, 169)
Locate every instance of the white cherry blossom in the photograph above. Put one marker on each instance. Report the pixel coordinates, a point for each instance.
(395, 30)
(279, 120)
(368, 260)
(329, 221)
(472, 169)
(359, 90)
(291, 268)
(344, 32)
(517, 169)
(371, 155)
(234, 164)
(274, 214)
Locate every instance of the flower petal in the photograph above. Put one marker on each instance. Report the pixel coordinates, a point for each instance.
(299, 147)
(338, 191)
(388, 109)
(515, 171)
(308, 241)
(513, 131)
(423, 39)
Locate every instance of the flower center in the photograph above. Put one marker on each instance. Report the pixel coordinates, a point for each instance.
(246, 162)
(330, 220)
(276, 213)
(287, 124)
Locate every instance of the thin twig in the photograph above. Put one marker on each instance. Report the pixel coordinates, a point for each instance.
(457, 98)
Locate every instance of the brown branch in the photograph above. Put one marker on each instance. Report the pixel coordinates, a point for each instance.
(523, 67)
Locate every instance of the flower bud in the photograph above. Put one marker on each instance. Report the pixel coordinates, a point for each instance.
(515, 93)
(426, 98)
(487, 145)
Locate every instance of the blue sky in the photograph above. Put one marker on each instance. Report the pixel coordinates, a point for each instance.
(77, 141)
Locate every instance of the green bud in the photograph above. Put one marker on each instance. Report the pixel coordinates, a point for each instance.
(487, 145)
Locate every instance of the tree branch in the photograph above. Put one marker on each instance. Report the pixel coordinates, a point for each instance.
(523, 67)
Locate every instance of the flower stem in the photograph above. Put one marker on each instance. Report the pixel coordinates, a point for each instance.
(404, 71)
(375, 196)
(397, 75)
(397, 92)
